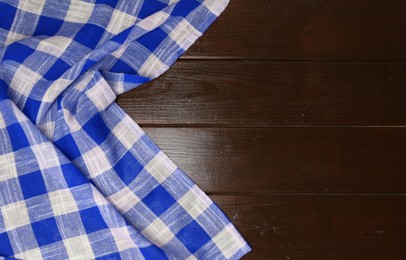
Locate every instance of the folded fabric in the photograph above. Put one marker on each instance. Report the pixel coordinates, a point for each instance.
(79, 179)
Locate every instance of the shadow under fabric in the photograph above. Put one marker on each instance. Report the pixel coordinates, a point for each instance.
(78, 177)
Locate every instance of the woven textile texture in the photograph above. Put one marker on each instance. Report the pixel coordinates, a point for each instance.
(79, 179)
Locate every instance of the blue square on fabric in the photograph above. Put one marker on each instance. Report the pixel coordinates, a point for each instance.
(122, 36)
(31, 108)
(73, 176)
(3, 90)
(89, 35)
(32, 184)
(17, 136)
(56, 70)
(5, 246)
(46, 231)
(153, 39)
(153, 252)
(97, 129)
(48, 26)
(92, 220)
(68, 147)
(122, 67)
(193, 236)
(110, 257)
(151, 7)
(111, 3)
(159, 200)
(17, 52)
(183, 8)
(8, 13)
(127, 168)
(87, 65)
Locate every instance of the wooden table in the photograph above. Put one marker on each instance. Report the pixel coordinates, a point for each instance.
(291, 115)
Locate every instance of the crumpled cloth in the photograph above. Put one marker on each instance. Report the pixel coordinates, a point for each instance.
(79, 179)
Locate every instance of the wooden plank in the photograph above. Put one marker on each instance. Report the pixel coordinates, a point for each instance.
(272, 94)
(307, 29)
(311, 160)
(319, 227)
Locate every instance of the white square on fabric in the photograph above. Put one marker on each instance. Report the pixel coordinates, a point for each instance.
(24, 79)
(153, 67)
(226, 245)
(55, 89)
(122, 238)
(34, 7)
(15, 215)
(79, 12)
(158, 232)
(194, 202)
(99, 199)
(8, 169)
(47, 129)
(46, 155)
(62, 202)
(125, 134)
(71, 121)
(184, 34)
(124, 200)
(101, 94)
(96, 162)
(153, 21)
(55, 45)
(215, 7)
(119, 22)
(14, 37)
(79, 247)
(160, 167)
(31, 254)
(2, 122)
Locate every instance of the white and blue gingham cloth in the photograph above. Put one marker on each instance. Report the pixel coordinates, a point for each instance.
(79, 179)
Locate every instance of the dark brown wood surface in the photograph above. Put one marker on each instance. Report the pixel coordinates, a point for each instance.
(307, 29)
(320, 227)
(289, 160)
(269, 93)
(291, 115)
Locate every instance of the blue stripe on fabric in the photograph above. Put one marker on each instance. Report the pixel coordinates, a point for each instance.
(153, 252)
(150, 8)
(97, 129)
(152, 40)
(17, 136)
(68, 146)
(48, 26)
(89, 35)
(5, 246)
(18, 52)
(31, 108)
(73, 176)
(127, 168)
(32, 184)
(7, 14)
(3, 90)
(46, 231)
(92, 220)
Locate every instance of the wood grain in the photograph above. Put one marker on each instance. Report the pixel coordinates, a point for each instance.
(307, 30)
(289, 160)
(291, 114)
(272, 94)
(319, 227)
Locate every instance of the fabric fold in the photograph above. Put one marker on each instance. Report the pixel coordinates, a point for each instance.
(79, 178)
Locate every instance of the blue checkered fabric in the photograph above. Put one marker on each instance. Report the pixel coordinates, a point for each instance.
(79, 179)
